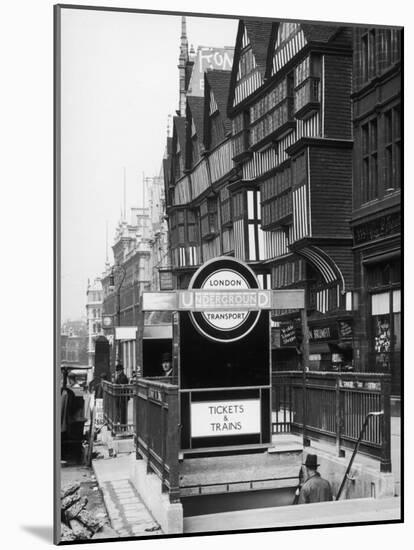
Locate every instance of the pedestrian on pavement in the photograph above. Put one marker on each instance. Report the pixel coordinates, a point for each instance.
(120, 376)
(315, 488)
(122, 400)
(99, 386)
(166, 363)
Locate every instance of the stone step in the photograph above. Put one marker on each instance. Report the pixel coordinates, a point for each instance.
(323, 513)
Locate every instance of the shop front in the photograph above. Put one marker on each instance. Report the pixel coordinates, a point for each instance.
(330, 344)
(378, 315)
(384, 319)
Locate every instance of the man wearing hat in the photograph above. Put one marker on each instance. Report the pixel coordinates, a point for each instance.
(120, 376)
(166, 363)
(315, 488)
(121, 401)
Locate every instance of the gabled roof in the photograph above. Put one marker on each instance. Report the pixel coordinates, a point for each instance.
(319, 33)
(179, 130)
(196, 106)
(219, 83)
(259, 34)
(312, 33)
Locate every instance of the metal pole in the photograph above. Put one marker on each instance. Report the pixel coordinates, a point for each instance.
(119, 268)
(361, 434)
(385, 425)
(305, 363)
(118, 322)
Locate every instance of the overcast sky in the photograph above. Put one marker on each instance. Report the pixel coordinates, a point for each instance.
(119, 84)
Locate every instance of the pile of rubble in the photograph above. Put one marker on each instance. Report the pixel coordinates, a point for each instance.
(77, 523)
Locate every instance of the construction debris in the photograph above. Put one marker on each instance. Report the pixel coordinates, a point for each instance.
(69, 489)
(77, 523)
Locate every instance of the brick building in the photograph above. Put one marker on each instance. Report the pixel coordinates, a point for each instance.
(123, 283)
(376, 215)
(74, 341)
(141, 263)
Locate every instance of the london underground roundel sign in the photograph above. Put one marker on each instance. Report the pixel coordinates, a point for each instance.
(225, 279)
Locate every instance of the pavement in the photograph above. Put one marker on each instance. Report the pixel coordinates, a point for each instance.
(396, 452)
(127, 513)
(321, 513)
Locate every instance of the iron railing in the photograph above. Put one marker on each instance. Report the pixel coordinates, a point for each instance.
(387, 362)
(157, 435)
(118, 407)
(336, 406)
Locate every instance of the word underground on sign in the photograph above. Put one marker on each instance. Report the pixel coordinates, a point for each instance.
(246, 299)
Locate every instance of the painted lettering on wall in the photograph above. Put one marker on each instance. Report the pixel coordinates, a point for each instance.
(209, 58)
(216, 418)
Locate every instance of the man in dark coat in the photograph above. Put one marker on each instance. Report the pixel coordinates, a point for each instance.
(315, 488)
(121, 401)
(120, 376)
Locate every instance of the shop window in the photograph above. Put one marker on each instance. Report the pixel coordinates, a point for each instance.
(386, 329)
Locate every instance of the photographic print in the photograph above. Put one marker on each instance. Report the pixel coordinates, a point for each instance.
(228, 274)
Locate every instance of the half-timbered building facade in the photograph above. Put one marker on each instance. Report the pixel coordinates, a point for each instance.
(200, 166)
(290, 108)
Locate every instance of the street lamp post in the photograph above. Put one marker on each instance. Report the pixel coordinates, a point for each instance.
(116, 279)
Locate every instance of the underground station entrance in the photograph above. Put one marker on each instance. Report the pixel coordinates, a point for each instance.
(206, 430)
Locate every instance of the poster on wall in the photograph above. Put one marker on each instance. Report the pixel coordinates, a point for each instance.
(192, 155)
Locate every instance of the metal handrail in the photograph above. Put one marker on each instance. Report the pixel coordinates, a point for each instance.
(361, 435)
(232, 483)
